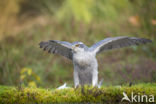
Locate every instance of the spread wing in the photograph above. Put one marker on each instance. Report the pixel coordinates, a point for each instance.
(117, 42)
(58, 47)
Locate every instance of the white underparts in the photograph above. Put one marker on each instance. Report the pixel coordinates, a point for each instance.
(85, 62)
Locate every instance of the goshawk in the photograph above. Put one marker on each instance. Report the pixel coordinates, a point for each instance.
(84, 58)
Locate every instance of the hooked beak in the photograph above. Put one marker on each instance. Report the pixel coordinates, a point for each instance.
(73, 47)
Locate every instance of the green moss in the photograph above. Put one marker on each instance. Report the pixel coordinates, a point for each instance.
(111, 94)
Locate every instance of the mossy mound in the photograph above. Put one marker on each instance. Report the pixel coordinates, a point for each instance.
(108, 95)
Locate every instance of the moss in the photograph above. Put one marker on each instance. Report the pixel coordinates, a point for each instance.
(105, 94)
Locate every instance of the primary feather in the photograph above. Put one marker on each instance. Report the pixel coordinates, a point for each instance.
(117, 42)
(58, 47)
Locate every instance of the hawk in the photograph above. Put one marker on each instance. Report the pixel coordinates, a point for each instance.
(84, 57)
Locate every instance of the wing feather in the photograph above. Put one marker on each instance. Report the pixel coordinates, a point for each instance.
(58, 47)
(117, 42)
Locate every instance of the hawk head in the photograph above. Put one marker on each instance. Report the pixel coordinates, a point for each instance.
(78, 47)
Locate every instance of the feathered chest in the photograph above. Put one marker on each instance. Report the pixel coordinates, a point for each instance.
(83, 58)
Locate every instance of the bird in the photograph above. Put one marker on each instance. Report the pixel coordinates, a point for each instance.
(84, 57)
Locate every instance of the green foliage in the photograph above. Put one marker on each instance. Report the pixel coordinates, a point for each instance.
(28, 77)
(109, 9)
(91, 10)
(41, 6)
(106, 95)
(80, 10)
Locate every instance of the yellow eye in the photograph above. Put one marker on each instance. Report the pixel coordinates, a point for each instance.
(77, 45)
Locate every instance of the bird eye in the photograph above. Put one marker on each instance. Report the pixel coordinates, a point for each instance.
(77, 45)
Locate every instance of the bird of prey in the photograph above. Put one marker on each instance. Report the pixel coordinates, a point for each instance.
(84, 57)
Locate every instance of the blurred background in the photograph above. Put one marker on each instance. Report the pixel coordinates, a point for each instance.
(24, 23)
